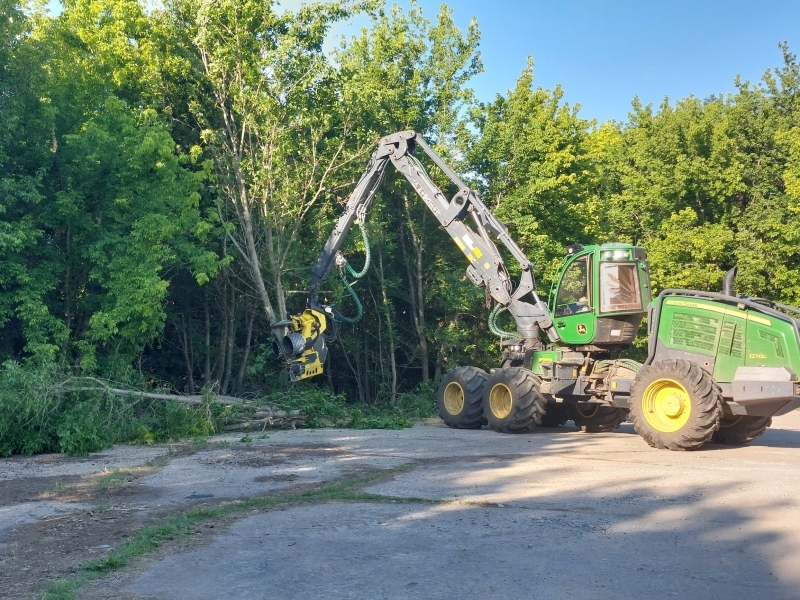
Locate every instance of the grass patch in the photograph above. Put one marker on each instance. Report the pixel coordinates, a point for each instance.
(151, 538)
(117, 477)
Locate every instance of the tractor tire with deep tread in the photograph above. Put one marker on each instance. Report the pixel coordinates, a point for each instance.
(555, 415)
(595, 418)
(460, 398)
(512, 402)
(675, 404)
(740, 429)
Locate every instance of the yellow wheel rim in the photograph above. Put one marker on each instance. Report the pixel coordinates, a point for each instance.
(500, 401)
(454, 398)
(666, 405)
(587, 412)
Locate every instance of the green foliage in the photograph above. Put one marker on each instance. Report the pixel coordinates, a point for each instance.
(324, 409)
(39, 414)
(530, 158)
(169, 174)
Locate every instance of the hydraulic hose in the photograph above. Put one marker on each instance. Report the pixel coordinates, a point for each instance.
(603, 366)
(494, 328)
(367, 258)
(357, 275)
(359, 308)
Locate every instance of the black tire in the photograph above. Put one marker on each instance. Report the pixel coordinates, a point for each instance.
(555, 415)
(675, 404)
(595, 418)
(465, 412)
(512, 402)
(741, 429)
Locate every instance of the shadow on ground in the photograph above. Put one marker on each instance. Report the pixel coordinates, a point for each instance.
(550, 515)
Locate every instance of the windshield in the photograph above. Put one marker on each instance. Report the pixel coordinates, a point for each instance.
(573, 293)
(619, 287)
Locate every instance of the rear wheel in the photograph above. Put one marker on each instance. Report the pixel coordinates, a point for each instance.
(740, 429)
(675, 404)
(595, 418)
(512, 402)
(460, 398)
(555, 415)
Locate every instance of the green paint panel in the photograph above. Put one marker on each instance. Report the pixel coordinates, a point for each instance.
(734, 336)
(773, 345)
(542, 356)
(730, 353)
(576, 329)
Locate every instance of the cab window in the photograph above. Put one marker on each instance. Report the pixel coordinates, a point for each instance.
(619, 287)
(573, 293)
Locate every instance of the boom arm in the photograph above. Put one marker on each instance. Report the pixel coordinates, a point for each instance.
(486, 264)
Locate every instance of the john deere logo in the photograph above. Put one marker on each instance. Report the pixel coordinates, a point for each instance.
(581, 328)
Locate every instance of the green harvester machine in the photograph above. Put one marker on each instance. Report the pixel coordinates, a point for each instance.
(719, 366)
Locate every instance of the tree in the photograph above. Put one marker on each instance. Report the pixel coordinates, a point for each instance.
(278, 133)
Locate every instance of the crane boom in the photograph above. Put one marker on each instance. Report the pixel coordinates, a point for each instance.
(304, 346)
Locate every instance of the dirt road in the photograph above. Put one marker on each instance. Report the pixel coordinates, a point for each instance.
(554, 514)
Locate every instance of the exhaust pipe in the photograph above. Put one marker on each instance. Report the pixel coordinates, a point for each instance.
(727, 283)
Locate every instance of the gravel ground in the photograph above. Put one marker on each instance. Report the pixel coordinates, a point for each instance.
(554, 514)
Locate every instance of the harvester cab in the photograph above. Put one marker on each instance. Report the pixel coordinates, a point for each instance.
(600, 295)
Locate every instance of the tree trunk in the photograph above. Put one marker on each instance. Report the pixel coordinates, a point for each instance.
(187, 356)
(250, 316)
(207, 365)
(387, 311)
(230, 341)
(416, 290)
(223, 340)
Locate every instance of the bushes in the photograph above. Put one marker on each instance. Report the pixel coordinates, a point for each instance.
(324, 409)
(38, 415)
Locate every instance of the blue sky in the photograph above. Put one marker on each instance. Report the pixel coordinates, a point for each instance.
(605, 52)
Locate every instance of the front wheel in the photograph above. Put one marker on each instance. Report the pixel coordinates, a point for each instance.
(512, 402)
(460, 397)
(675, 404)
(595, 418)
(740, 429)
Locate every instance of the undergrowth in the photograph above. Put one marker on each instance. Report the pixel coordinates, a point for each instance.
(325, 409)
(39, 414)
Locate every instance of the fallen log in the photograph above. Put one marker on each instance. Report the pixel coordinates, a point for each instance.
(186, 399)
(265, 423)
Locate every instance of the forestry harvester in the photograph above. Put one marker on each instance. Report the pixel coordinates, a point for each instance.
(719, 366)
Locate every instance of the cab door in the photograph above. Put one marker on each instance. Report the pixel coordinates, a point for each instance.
(574, 314)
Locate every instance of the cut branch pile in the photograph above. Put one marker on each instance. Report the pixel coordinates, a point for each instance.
(255, 417)
(265, 417)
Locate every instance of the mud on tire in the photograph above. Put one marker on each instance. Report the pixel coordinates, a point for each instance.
(460, 397)
(740, 429)
(675, 404)
(512, 402)
(594, 418)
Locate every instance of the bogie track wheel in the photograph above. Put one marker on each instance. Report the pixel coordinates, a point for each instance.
(740, 429)
(460, 397)
(675, 404)
(595, 418)
(512, 402)
(555, 415)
